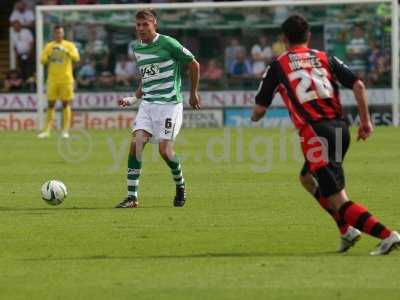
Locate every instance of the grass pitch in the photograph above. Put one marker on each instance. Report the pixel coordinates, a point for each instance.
(248, 230)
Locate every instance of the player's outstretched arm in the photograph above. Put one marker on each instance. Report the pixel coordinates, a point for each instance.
(194, 74)
(365, 129)
(258, 112)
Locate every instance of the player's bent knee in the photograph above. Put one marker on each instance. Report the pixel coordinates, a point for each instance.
(66, 104)
(137, 145)
(330, 179)
(140, 137)
(338, 199)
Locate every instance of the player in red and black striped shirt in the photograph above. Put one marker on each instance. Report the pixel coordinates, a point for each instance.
(307, 80)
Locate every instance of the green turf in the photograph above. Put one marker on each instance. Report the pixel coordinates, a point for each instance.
(242, 235)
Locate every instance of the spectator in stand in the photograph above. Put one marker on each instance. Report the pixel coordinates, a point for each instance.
(13, 81)
(103, 64)
(96, 46)
(87, 74)
(84, 32)
(213, 75)
(261, 54)
(125, 71)
(213, 71)
(23, 15)
(106, 80)
(105, 72)
(374, 56)
(357, 51)
(241, 66)
(22, 39)
(119, 39)
(232, 51)
(279, 46)
(379, 68)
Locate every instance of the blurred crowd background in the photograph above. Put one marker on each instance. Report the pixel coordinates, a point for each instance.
(233, 46)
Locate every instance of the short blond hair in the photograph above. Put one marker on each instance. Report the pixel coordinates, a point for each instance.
(146, 13)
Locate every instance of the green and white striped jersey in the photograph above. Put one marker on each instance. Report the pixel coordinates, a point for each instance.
(160, 68)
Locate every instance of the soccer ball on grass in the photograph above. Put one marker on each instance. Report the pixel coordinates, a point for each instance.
(54, 192)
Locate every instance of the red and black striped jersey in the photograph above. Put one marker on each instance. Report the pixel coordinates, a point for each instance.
(307, 81)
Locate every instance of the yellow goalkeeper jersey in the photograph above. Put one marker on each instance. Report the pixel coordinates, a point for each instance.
(59, 57)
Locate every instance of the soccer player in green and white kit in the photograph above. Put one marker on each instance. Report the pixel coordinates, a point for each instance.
(159, 58)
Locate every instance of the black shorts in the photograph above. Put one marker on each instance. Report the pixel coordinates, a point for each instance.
(324, 146)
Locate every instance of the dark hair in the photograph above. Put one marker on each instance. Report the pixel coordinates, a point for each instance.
(58, 27)
(145, 13)
(296, 29)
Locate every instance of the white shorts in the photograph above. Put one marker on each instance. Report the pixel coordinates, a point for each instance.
(162, 121)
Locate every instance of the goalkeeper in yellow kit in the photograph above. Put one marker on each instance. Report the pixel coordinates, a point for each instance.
(59, 55)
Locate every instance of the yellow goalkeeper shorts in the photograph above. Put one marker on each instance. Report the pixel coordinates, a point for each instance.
(60, 91)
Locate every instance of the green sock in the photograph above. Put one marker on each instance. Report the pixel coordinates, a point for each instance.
(134, 169)
(176, 170)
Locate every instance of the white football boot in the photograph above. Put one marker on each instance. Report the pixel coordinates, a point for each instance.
(349, 239)
(387, 245)
(44, 135)
(64, 134)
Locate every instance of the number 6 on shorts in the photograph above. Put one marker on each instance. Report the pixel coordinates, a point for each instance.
(168, 123)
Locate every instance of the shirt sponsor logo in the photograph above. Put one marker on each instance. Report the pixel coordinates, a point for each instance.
(148, 71)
